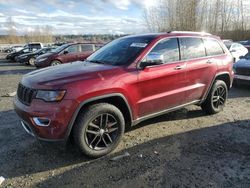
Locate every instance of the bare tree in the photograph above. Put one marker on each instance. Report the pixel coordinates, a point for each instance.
(222, 17)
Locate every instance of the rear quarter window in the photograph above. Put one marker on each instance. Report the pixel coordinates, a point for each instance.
(192, 48)
(213, 47)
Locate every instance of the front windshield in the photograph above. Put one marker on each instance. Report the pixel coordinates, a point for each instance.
(60, 48)
(120, 51)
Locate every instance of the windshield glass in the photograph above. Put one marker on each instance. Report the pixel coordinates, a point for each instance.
(121, 51)
(60, 48)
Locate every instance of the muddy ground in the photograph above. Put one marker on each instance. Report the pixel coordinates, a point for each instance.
(182, 149)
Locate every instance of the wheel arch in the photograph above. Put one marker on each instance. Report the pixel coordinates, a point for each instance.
(224, 76)
(115, 99)
(55, 60)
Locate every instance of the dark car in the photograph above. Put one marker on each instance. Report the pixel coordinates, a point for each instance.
(29, 58)
(65, 54)
(246, 43)
(127, 81)
(242, 70)
(12, 56)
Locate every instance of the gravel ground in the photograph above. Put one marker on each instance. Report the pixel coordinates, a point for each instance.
(185, 148)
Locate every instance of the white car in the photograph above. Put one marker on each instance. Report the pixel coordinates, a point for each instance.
(237, 50)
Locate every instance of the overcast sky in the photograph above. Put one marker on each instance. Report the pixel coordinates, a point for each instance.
(75, 16)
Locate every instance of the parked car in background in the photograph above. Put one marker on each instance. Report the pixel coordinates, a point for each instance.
(13, 49)
(127, 81)
(29, 58)
(236, 49)
(242, 70)
(65, 54)
(34, 46)
(246, 43)
(12, 56)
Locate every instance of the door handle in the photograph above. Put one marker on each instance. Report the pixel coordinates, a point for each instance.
(209, 62)
(178, 67)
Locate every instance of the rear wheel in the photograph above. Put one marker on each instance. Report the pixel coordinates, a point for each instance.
(31, 61)
(99, 129)
(55, 62)
(216, 98)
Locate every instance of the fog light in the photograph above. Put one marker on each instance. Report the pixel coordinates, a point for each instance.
(41, 121)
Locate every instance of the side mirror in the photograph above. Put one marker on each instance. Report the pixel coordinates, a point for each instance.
(153, 58)
(65, 52)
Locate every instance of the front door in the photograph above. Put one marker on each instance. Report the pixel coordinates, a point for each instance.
(162, 86)
(71, 53)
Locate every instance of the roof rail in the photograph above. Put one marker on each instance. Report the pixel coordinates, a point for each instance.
(190, 32)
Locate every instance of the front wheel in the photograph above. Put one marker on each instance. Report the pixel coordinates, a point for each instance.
(31, 61)
(99, 129)
(55, 62)
(216, 98)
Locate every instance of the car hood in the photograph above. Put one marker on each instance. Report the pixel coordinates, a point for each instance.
(243, 63)
(26, 54)
(46, 55)
(66, 73)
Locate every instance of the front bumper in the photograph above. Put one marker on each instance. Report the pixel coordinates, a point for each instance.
(60, 114)
(42, 64)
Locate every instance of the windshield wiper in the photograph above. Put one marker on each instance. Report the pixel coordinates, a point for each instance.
(96, 61)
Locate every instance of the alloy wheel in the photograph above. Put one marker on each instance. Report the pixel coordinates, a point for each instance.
(101, 132)
(32, 61)
(219, 97)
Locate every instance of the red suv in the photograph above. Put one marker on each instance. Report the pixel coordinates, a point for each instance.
(66, 53)
(125, 82)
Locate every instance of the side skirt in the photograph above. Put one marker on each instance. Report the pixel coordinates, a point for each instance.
(135, 122)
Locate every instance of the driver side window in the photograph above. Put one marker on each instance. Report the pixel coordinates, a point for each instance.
(169, 48)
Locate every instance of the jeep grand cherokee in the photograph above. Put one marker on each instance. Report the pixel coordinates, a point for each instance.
(125, 82)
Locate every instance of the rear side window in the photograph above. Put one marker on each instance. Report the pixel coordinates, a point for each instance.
(169, 48)
(192, 48)
(213, 47)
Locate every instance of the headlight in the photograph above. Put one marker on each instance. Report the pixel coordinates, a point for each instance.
(50, 96)
(43, 59)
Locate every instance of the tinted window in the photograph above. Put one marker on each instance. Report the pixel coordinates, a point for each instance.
(60, 48)
(192, 48)
(169, 49)
(213, 47)
(87, 47)
(73, 49)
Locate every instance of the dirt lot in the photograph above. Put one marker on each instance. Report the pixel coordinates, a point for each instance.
(181, 149)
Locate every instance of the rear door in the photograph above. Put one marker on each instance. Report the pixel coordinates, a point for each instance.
(201, 67)
(162, 86)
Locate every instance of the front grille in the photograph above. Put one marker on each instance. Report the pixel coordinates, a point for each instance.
(25, 94)
(243, 71)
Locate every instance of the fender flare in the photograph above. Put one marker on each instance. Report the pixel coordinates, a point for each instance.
(73, 119)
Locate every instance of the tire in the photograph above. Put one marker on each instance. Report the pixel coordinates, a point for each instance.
(55, 62)
(91, 135)
(31, 61)
(216, 98)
